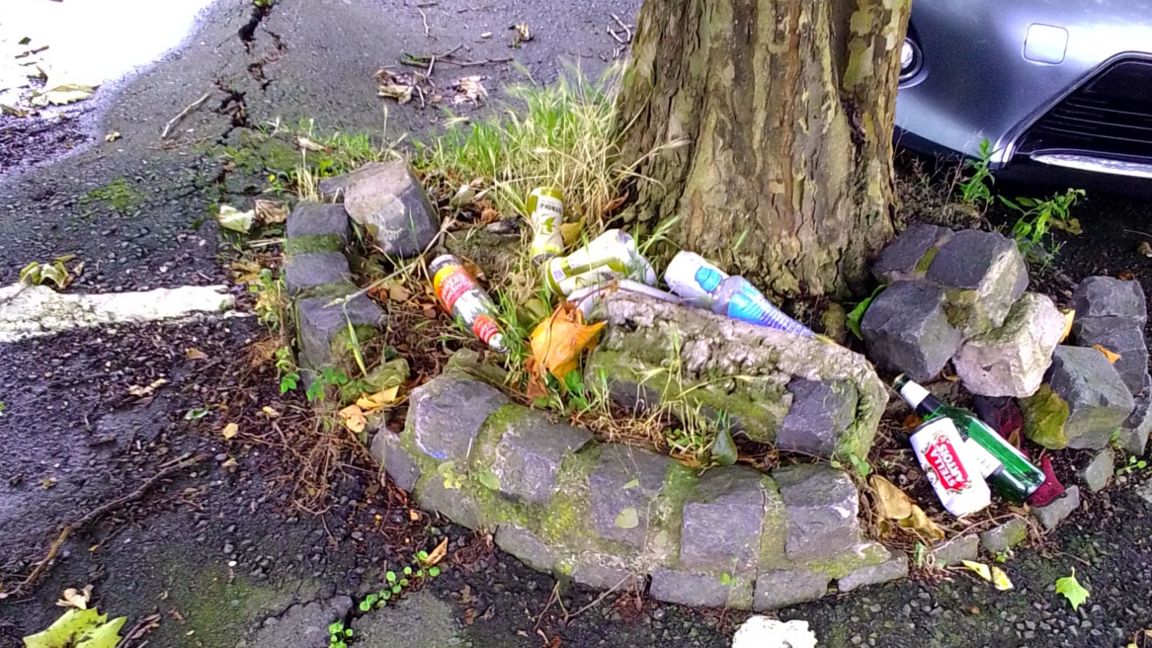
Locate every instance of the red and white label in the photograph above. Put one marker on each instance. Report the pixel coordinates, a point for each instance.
(450, 286)
(943, 459)
(484, 328)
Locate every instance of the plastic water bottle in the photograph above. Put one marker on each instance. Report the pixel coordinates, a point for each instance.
(687, 275)
(740, 300)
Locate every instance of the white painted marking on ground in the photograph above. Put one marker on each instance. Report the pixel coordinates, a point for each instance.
(30, 311)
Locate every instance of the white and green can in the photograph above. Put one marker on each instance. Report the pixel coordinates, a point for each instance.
(545, 209)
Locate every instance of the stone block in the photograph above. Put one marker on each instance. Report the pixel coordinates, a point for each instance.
(1109, 297)
(1098, 471)
(322, 328)
(1011, 360)
(722, 521)
(446, 415)
(1122, 335)
(1053, 514)
(605, 572)
(892, 569)
(821, 504)
(1133, 435)
(699, 590)
(952, 552)
(453, 503)
(525, 546)
(625, 477)
(1004, 536)
(332, 189)
(388, 200)
(983, 274)
(529, 454)
(315, 269)
(397, 463)
(725, 365)
(319, 219)
(909, 254)
(780, 588)
(821, 413)
(1098, 400)
(907, 331)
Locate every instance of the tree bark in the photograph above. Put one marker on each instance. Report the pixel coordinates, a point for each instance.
(784, 109)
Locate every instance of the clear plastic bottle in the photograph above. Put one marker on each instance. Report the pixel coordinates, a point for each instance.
(740, 300)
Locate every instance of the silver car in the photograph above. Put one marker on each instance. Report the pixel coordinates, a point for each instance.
(1049, 83)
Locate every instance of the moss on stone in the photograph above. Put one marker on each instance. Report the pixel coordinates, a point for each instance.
(926, 261)
(840, 566)
(313, 243)
(667, 513)
(774, 531)
(483, 455)
(1045, 414)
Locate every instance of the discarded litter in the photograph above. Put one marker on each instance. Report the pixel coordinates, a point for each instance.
(587, 299)
(1007, 470)
(545, 209)
(466, 301)
(949, 468)
(612, 255)
(231, 218)
(734, 297)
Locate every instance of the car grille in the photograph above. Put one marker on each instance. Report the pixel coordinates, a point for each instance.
(1109, 116)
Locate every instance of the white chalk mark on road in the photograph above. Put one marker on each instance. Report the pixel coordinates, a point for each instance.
(30, 311)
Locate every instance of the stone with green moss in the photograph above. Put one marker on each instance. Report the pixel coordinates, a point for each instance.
(322, 330)
(655, 354)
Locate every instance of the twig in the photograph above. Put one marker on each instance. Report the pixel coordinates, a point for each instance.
(551, 599)
(99, 511)
(424, 17)
(600, 598)
(626, 28)
(618, 38)
(184, 113)
(1138, 232)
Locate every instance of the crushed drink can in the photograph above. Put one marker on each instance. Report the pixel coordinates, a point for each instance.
(466, 301)
(693, 278)
(952, 472)
(545, 209)
(610, 256)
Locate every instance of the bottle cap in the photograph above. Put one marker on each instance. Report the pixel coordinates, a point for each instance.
(912, 392)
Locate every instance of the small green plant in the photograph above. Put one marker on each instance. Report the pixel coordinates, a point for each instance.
(1072, 590)
(976, 190)
(920, 555)
(725, 578)
(286, 367)
(270, 299)
(856, 315)
(117, 194)
(328, 377)
(863, 468)
(1038, 217)
(38, 274)
(263, 4)
(1132, 466)
(338, 635)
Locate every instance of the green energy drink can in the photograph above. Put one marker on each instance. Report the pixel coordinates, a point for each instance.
(612, 255)
(545, 209)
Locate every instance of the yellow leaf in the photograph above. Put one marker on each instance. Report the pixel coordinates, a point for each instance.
(1001, 580)
(379, 399)
(230, 430)
(353, 418)
(1069, 317)
(269, 412)
(1108, 353)
(438, 553)
(919, 522)
(141, 392)
(559, 340)
(892, 503)
(228, 463)
(195, 354)
(980, 568)
(570, 232)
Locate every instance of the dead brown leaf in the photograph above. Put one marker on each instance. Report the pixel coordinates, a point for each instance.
(469, 89)
(1108, 353)
(193, 353)
(270, 212)
(308, 145)
(141, 392)
(558, 341)
(438, 553)
(398, 293)
(353, 418)
(894, 504)
(76, 598)
(1144, 248)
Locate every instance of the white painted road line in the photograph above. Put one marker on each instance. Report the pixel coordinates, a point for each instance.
(30, 311)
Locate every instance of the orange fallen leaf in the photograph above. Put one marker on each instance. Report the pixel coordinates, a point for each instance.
(1108, 353)
(353, 418)
(559, 340)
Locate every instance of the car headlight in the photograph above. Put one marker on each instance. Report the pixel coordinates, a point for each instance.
(911, 59)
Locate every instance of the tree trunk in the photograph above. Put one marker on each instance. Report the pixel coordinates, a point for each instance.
(785, 111)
